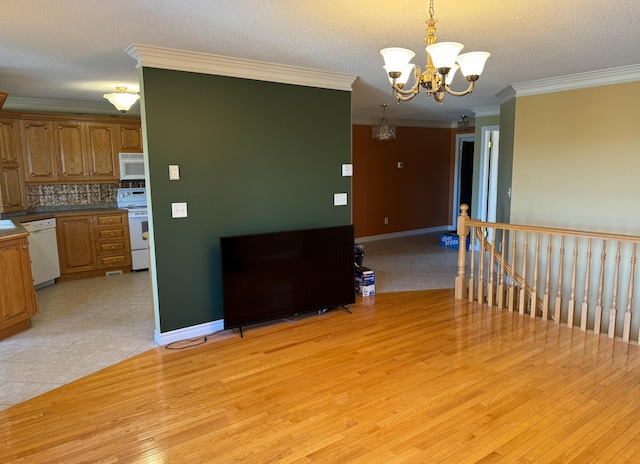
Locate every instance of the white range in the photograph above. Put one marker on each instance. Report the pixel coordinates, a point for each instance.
(134, 200)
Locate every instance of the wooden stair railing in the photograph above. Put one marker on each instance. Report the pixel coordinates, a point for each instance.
(515, 273)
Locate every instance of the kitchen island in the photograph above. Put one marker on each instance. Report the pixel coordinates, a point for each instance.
(18, 300)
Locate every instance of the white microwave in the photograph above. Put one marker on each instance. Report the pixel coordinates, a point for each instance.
(131, 166)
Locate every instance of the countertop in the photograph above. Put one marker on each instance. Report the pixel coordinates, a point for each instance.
(13, 233)
(19, 218)
(52, 213)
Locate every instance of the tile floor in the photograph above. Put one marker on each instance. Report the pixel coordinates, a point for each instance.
(86, 325)
(82, 327)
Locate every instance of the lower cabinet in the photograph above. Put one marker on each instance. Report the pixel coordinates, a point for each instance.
(93, 244)
(18, 301)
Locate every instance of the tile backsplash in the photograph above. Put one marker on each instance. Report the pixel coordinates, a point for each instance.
(53, 195)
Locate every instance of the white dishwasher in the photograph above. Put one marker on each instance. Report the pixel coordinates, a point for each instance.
(43, 250)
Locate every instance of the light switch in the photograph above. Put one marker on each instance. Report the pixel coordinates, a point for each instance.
(347, 170)
(174, 172)
(339, 199)
(178, 210)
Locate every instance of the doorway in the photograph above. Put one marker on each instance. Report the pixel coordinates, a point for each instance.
(488, 191)
(463, 182)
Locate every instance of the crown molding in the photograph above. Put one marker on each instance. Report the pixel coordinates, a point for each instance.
(150, 56)
(482, 111)
(40, 105)
(610, 76)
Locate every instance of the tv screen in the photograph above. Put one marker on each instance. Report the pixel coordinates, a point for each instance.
(278, 274)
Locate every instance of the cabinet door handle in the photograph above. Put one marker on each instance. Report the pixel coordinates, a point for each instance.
(25, 247)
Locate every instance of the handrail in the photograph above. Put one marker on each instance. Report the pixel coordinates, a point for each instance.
(573, 275)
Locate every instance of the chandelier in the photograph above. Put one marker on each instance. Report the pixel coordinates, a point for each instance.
(383, 129)
(440, 70)
(463, 124)
(121, 99)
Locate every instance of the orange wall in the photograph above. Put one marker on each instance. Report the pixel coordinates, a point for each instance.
(417, 196)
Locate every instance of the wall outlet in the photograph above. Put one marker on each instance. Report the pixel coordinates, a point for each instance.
(347, 170)
(178, 210)
(339, 199)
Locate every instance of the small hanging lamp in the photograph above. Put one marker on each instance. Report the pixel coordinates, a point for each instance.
(383, 129)
(463, 124)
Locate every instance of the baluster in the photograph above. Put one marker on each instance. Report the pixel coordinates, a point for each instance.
(627, 315)
(523, 290)
(597, 324)
(534, 297)
(545, 299)
(490, 289)
(473, 259)
(481, 266)
(500, 295)
(613, 313)
(585, 301)
(560, 272)
(572, 298)
(463, 231)
(512, 284)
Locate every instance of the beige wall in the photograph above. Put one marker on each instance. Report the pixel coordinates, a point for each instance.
(576, 159)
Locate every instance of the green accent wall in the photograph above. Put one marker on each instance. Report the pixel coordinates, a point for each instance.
(505, 162)
(254, 157)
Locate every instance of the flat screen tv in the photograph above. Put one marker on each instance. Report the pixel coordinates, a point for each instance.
(273, 275)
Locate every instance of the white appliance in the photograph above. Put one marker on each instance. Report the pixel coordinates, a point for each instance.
(43, 250)
(134, 200)
(131, 166)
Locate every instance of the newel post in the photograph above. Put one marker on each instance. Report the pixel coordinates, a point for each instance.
(463, 232)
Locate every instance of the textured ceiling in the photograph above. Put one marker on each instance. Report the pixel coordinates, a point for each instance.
(74, 50)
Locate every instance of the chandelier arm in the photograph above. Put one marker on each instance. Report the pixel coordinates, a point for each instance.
(414, 89)
(461, 93)
(406, 94)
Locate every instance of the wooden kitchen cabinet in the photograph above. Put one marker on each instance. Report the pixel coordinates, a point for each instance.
(18, 301)
(130, 138)
(86, 151)
(13, 196)
(39, 150)
(76, 244)
(92, 245)
(112, 241)
(59, 149)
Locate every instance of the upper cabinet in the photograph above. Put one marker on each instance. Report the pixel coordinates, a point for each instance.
(38, 142)
(12, 188)
(130, 138)
(75, 151)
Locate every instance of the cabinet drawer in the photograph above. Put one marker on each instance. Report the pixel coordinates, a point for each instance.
(113, 261)
(112, 247)
(109, 220)
(110, 234)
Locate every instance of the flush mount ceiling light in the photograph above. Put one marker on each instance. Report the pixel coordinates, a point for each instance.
(440, 70)
(121, 99)
(383, 129)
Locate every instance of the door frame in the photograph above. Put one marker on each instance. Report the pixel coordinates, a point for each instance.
(488, 178)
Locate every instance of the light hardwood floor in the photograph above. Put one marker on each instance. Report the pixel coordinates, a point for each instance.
(413, 377)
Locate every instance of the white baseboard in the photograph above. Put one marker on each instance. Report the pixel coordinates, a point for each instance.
(185, 333)
(404, 233)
